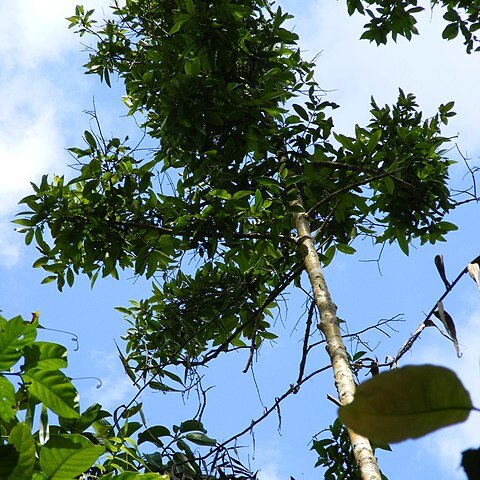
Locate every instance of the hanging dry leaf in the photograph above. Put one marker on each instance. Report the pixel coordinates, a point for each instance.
(474, 270)
(449, 325)
(441, 270)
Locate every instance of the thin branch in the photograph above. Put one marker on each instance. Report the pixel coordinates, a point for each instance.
(349, 187)
(380, 323)
(293, 388)
(305, 349)
(426, 323)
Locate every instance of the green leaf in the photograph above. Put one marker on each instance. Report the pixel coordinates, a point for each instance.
(138, 476)
(450, 31)
(90, 139)
(65, 457)
(345, 248)
(402, 242)
(14, 335)
(7, 400)
(21, 438)
(152, 434)
(408, 402)
(301, 112)
(201, 439)
(192, 425)
(47, 355)
(8, 460)
(54, 389)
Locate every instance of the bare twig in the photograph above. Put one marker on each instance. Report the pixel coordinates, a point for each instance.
(426, 323)
(305, 349)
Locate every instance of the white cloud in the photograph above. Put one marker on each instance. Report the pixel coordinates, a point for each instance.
(36, 101)
(38, 31)
(434, 70)
(116, 387)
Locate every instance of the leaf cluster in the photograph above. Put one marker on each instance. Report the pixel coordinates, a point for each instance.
(242, 130)
(398, 18)
(79, 445)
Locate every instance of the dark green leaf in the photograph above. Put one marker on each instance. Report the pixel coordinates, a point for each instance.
(201, 439)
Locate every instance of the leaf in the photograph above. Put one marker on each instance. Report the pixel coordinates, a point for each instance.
(471, 463)
(7, 400)
(90, 139)
(8, 460)
(345, 248)
(140, 476)
(408, 402)
(54, 389)
(152, 434)
(47, 355)
(125, 365)
(21, 438)
(441, 270)
(449, 324)
(14, 335)
(192, 425)
(450, 31)
(201, 439)
(473, 270)
(301, 112)
(65, 457)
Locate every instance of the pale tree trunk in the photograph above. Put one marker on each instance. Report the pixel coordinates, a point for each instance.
(328, 324)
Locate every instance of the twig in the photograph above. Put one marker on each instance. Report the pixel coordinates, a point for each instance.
(305, 349)
(426, 323)
(292, 389)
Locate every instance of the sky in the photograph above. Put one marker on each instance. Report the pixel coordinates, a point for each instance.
(43, 96)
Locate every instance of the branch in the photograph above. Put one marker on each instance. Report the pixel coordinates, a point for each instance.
(427, 322)
(293, 388)
(305, 348)
(349, 187)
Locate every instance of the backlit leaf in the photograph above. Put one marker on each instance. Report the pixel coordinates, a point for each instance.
(54, 389)
(14, 335)
(473, 271)
(408, 402)
(65, 457)
(7, 399)
(21, 438)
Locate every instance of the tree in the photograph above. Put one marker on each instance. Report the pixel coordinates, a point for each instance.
(246, 176)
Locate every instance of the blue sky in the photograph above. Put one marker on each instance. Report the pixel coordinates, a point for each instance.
(43, 94)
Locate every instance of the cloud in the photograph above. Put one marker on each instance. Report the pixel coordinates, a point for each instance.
(37, 32)
(116, 387)
(353, 70)
(39, 103)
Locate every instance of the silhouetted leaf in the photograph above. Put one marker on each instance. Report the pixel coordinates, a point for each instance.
(471, 463)
(449, 325)
(441, 270)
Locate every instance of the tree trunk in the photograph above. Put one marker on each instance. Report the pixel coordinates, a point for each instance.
(328, 324)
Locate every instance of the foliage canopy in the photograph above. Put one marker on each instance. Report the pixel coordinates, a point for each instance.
(240, 131)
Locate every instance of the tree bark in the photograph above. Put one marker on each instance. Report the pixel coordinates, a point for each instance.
(328, 324)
